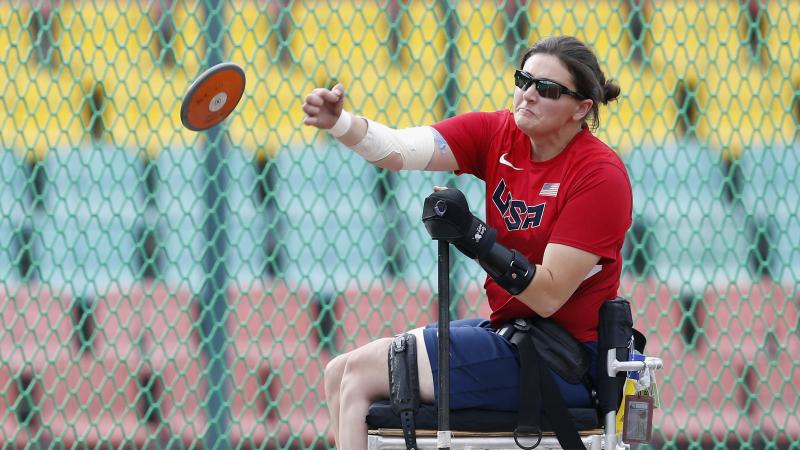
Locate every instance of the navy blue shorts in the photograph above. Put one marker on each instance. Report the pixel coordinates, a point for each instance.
(484, 368)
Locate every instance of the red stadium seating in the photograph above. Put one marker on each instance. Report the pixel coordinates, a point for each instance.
(12, 433)
(91, 401)
(184, 389)
(251, 394)
(268, 322)
(170, 332)
(656, 314)
(698, 394)
(156, 323)
(739, 379)
(279, 402)
(701, 401)
(301, 419)
(740, 319)
(753, 329)
(157, 319)
(382, 310)
(270, 318)
(285, 319)
(271, 330)
(773, 380)
(277, 367)
(119, 321)
(37, 325)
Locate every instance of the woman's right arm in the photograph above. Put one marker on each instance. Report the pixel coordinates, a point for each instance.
(416, 148)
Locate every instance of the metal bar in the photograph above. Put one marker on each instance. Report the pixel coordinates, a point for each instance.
(443, 435)
(384, 442)
(214, 307)
(451, 91)
(614, 366)
(611, 430)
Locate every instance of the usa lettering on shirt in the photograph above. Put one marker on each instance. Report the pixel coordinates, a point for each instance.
(517, 214)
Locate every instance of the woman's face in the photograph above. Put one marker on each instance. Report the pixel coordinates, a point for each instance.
(540, 116)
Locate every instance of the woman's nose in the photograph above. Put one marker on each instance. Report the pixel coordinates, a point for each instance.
(530, 94)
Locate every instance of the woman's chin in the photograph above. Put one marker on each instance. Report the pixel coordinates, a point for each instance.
(525, 121)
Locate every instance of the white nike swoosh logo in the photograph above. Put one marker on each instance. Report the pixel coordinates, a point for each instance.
(505, 162)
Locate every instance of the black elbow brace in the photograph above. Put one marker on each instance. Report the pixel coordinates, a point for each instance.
(509, 268)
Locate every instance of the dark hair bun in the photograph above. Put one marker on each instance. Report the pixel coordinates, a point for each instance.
(610, 91)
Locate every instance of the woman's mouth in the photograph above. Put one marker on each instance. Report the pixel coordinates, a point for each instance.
(525, 112)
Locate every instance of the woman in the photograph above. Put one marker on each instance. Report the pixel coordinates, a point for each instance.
(555, 194)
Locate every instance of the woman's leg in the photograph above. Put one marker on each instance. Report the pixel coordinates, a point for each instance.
(333, 382)
(424, 369)
(365, 379)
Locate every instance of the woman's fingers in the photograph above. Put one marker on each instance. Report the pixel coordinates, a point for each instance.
(311, 110)
(314, 99)
(322, 106)
(331, 96)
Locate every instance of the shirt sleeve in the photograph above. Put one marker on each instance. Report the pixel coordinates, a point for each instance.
(469, 137)
(597, 213)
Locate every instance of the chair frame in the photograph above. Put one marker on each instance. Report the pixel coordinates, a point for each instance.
(605, 438)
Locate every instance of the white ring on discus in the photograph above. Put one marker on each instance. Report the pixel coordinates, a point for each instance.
(217, 102)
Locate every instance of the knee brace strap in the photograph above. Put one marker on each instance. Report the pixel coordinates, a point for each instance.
(404, 384)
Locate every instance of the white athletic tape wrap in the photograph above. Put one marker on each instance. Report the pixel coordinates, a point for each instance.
(415, 145)
(342, 125)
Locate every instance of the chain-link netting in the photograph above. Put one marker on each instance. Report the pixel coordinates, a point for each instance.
(167, 288)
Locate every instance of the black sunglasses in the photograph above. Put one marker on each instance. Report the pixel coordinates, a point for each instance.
(546, 88)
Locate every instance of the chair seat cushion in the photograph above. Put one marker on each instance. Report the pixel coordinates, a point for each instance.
(381, 416)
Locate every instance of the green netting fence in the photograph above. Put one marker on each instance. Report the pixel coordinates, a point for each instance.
(165, 288)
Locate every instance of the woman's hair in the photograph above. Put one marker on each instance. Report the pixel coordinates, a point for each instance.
(590, 82)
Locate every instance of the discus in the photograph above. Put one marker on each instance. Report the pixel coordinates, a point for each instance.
(212, 96)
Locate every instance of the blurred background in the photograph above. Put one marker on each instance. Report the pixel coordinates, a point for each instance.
(162, 288)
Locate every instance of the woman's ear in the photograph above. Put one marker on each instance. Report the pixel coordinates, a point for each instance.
(583, 108)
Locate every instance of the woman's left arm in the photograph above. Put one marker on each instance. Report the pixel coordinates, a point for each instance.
(563, 269)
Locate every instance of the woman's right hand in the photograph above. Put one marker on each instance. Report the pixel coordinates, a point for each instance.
(323, 107)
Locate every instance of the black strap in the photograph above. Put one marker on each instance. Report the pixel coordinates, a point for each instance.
(409, 429)
(537, 390)
(404, 384)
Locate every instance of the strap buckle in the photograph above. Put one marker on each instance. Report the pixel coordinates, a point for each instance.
(523, 429)
(519, 324)
(507, 331)
(522, 324)
(517, 269)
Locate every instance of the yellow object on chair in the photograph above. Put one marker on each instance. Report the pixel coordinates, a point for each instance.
(628, 389)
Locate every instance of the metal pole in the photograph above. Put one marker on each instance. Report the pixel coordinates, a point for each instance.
(214, 307)
(450, 95)
(443, 434)
(451, 56)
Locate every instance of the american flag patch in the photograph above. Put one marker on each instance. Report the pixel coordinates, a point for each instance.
(549, 190)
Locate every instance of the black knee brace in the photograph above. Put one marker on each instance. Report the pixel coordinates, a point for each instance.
(404, 384)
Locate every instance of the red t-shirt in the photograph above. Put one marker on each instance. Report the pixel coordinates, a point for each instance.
(581, 198)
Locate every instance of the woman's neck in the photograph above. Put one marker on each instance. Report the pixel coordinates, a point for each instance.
(547, 148)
